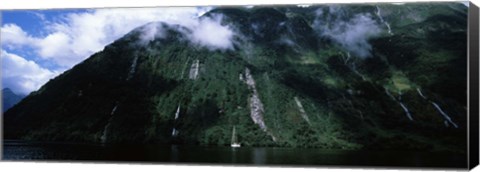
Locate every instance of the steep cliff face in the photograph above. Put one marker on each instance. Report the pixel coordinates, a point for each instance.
(338, 76)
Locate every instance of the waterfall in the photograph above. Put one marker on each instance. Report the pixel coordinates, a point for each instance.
(383, 21)
(184, 68)
(404, 107)
(302, 110)
(256, 111)
(103, 138)
(345, 60)
(249, 80)
(241, 77)
(421, 94)
(113, 110)
(194, 70)
(348, 58)
(174, 132)
(256, 106)
(177, 114)
(407, 112)
(389, 94)
(353, 67)
(445, 115)
(132, 68)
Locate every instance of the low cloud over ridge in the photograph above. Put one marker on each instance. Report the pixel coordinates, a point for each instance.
(352, 34)
(206, 32)
(75, 36)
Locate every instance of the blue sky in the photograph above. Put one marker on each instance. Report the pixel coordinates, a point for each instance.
(38, 45)
(34, 22)
(23, 57)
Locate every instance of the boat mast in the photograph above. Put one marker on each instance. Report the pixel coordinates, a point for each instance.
(234, 138)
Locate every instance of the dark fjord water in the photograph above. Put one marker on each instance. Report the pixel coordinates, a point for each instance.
(43, 151)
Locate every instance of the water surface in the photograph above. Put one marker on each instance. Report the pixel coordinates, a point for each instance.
(48, 151)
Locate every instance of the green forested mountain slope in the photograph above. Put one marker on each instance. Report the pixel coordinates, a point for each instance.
(336, 77)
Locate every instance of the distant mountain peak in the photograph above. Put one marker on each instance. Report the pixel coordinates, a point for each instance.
(9, 98)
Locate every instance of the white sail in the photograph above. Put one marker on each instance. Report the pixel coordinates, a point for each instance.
(234, 142)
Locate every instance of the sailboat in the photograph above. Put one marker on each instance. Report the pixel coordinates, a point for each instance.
(234, 143)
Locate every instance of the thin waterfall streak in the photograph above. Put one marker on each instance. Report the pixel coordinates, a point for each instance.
(383, 21)
(407, 112)
(177, 114)
(353, 67)
(389, 94)
(194, 70)
(256, 105)
(174, 132)
(445, 115)
(404, 107)
(104, 136)
(303, 113)
(132, 68)
(421, 94)
(184, 68)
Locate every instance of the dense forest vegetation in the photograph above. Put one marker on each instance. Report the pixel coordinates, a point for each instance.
(289, 72)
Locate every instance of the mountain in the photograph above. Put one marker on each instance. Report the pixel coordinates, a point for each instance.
(383, 77)
(9, 99)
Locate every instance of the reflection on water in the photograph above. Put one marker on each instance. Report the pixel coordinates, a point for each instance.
(259, 155)
(19, 150)
(174, 156)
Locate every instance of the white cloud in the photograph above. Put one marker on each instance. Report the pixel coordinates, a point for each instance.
(73, 37)
(210, 33)
(21, 75)
(303, 5)
(13, 36)
(78, 35)
(58, 42)
(206, 32)
(352, 34)
(151, 31)
(89, 32)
